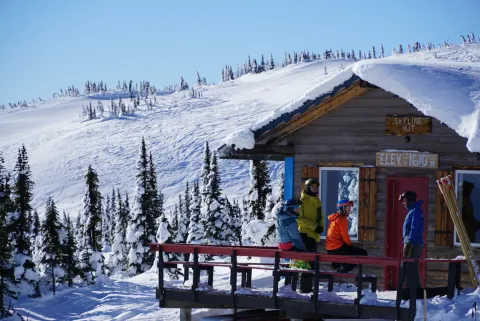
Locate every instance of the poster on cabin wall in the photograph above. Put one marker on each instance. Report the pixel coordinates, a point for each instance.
(409, 159)
(403, 125)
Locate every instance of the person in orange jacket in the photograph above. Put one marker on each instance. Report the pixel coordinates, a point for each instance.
(338, 241)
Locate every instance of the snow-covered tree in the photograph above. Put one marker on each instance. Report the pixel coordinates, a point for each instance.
(213, 210)
(205, 172)
(118, 260)
(79, 235)
(92, 263)
(165, 234)
(140, 258)
(35, 227)
(52, 247)
(195, 231)
(25, 272)
(246, 218)
(7, 277)
(259, 188)
(183, 220)
(235, 224)
(70, 262)
(106, 221)
(113, 215)
(280, 188)
(272, 63)
(154, 202)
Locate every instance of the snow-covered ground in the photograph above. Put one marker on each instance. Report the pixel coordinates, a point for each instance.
(134, 299)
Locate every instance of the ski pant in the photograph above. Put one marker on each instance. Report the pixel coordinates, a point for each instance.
(410, 270)
(306, 280)
(347, 250)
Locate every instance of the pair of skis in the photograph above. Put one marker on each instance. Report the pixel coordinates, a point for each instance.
(447, 188)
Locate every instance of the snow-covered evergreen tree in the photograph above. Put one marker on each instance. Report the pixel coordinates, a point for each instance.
(174, 224)
(7, 277)
(154, 202)
(272, 63)
(79, 235)
(259, 188)
(113, 215)
(35, 228)
(106, 221)
(70, 262)
(235, 227)
(52, 247)
(280, 188)
(183, 221)
(195, 231)
(92, 263)
(140, 258)
(165, 234)
(188, 212)
(205, 172)
(25, 272)
(246, 218)
(119, 257)
(213, 210)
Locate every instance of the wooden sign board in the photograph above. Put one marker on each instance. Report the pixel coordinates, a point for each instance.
(408, 125)
(407, 159)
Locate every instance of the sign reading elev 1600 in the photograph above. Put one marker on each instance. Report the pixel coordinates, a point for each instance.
(407, 159)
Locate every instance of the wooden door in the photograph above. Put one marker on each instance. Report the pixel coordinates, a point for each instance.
(395, 216)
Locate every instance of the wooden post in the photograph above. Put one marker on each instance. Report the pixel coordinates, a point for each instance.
(399, 289)
(185, 314)
(160, 276)
(315, 284)
(276, 278)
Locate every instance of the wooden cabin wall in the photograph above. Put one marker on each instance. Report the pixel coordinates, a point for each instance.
(354, 133)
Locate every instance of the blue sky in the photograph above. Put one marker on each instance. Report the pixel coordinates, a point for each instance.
(48, 45)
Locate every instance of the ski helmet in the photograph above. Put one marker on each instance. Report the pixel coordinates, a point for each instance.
(311, 181)
(291, 204)
(342, 203)
(409, 195)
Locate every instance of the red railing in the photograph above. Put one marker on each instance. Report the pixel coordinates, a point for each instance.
(272, 252)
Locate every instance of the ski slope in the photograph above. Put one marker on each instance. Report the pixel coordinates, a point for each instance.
(61, 145)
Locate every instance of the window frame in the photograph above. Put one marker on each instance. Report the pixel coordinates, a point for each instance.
(357, 169)
(457, 172)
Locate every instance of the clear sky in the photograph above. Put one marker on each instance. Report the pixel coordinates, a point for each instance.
(47, 45)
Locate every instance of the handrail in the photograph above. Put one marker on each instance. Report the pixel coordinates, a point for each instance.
(269, 252)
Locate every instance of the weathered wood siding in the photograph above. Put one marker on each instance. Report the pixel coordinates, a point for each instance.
(355, 132)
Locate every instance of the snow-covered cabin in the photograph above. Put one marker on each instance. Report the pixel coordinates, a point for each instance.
(376, 129)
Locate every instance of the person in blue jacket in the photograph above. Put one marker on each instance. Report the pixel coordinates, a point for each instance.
(287, 235)
(413, 227)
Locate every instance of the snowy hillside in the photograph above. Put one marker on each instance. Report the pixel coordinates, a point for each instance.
(61, 146)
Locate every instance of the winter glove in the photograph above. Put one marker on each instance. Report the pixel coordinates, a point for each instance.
(319, 229)
(407, 250)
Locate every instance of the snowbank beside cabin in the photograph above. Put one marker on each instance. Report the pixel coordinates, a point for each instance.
(442, 83)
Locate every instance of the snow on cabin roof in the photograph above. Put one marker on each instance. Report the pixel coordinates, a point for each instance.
(442, 83)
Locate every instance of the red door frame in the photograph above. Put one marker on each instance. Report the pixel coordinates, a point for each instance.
(391, 273)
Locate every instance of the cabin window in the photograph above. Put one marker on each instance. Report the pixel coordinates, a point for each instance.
(338, 183)
(467, 187)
